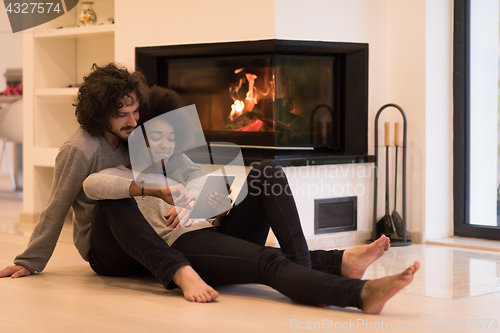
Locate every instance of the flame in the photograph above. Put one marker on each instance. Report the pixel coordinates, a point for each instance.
(236, 109)
(252, 98)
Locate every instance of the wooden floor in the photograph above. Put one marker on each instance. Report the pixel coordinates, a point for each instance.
(69, 297)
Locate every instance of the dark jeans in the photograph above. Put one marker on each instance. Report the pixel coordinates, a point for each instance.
(262, 209)
(220, 259)
(124, 244)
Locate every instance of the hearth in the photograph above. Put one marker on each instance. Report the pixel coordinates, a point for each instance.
(271, 97)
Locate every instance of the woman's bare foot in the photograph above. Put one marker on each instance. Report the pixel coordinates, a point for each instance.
(193, 287)
(355, 261)
(376, 292)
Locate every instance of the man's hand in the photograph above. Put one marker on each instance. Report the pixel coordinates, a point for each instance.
(178, 217)
(14, 272)
(176, 195)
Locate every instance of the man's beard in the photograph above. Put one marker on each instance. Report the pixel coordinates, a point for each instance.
(121, 136)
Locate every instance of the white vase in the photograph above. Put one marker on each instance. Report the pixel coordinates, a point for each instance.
(87, 16)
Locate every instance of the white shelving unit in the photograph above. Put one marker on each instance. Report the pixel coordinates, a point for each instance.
(9, 99)
(56, 57)
(77, 32)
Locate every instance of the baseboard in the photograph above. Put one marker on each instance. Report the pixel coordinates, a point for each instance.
(33, 217)
(417, 237)
(338, 240)
(28, 217)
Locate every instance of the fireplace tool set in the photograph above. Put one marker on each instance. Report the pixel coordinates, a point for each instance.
(393, 225)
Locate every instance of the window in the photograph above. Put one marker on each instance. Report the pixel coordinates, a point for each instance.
(475, 94)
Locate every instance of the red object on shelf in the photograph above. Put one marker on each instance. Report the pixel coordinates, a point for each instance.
(13, 89)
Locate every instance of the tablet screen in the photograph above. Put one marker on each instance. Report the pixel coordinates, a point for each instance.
(213, 183)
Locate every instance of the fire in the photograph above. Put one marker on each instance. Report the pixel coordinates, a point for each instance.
(236, 109)
(252, 96)
(252, 127)
(238, 106)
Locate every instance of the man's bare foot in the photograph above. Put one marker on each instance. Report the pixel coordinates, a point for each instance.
(193, 287)
(376, 292)
(355, 261)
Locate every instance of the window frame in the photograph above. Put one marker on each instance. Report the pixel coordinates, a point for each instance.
(461, 127)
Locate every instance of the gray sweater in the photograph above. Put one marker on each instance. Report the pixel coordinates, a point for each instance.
(80, 156)
(114, 183)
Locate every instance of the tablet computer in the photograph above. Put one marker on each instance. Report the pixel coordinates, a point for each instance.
(213, 183)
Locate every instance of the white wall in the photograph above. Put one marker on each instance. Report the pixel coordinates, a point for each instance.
(406, 75)
(439, 119)
(420, 73)
(410, 65)
(158, 22)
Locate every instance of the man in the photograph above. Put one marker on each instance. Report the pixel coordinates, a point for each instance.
(107, 109)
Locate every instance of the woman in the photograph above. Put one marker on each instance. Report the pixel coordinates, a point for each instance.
(217, 256)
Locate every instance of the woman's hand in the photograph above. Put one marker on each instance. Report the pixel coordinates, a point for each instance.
(176, 195)
(178, 216)
(219, 202)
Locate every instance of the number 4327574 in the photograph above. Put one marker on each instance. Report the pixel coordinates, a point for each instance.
(32, 7)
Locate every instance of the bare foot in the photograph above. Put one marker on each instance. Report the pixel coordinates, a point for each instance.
(376, 292)
(193, 287)
(355, 261)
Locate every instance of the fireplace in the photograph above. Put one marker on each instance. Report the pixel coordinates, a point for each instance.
(272, 97)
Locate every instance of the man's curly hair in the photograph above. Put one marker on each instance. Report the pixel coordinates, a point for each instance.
(101, 94)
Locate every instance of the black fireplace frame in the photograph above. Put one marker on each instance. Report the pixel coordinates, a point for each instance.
(353, 93)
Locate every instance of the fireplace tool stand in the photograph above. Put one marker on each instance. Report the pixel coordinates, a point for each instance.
(399, 238)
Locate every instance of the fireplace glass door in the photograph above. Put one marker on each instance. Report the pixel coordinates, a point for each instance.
(268, 100)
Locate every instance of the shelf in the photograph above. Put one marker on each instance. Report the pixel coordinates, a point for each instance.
(58, 58)
(76, 32)
(9, 99)
(45, 157)
(55, 92)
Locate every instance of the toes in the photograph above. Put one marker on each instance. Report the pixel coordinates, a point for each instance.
(412, 269)
(416, 264)
(213, 294)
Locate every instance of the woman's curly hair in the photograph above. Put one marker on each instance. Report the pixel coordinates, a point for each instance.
(163, 100)
(100, 96)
